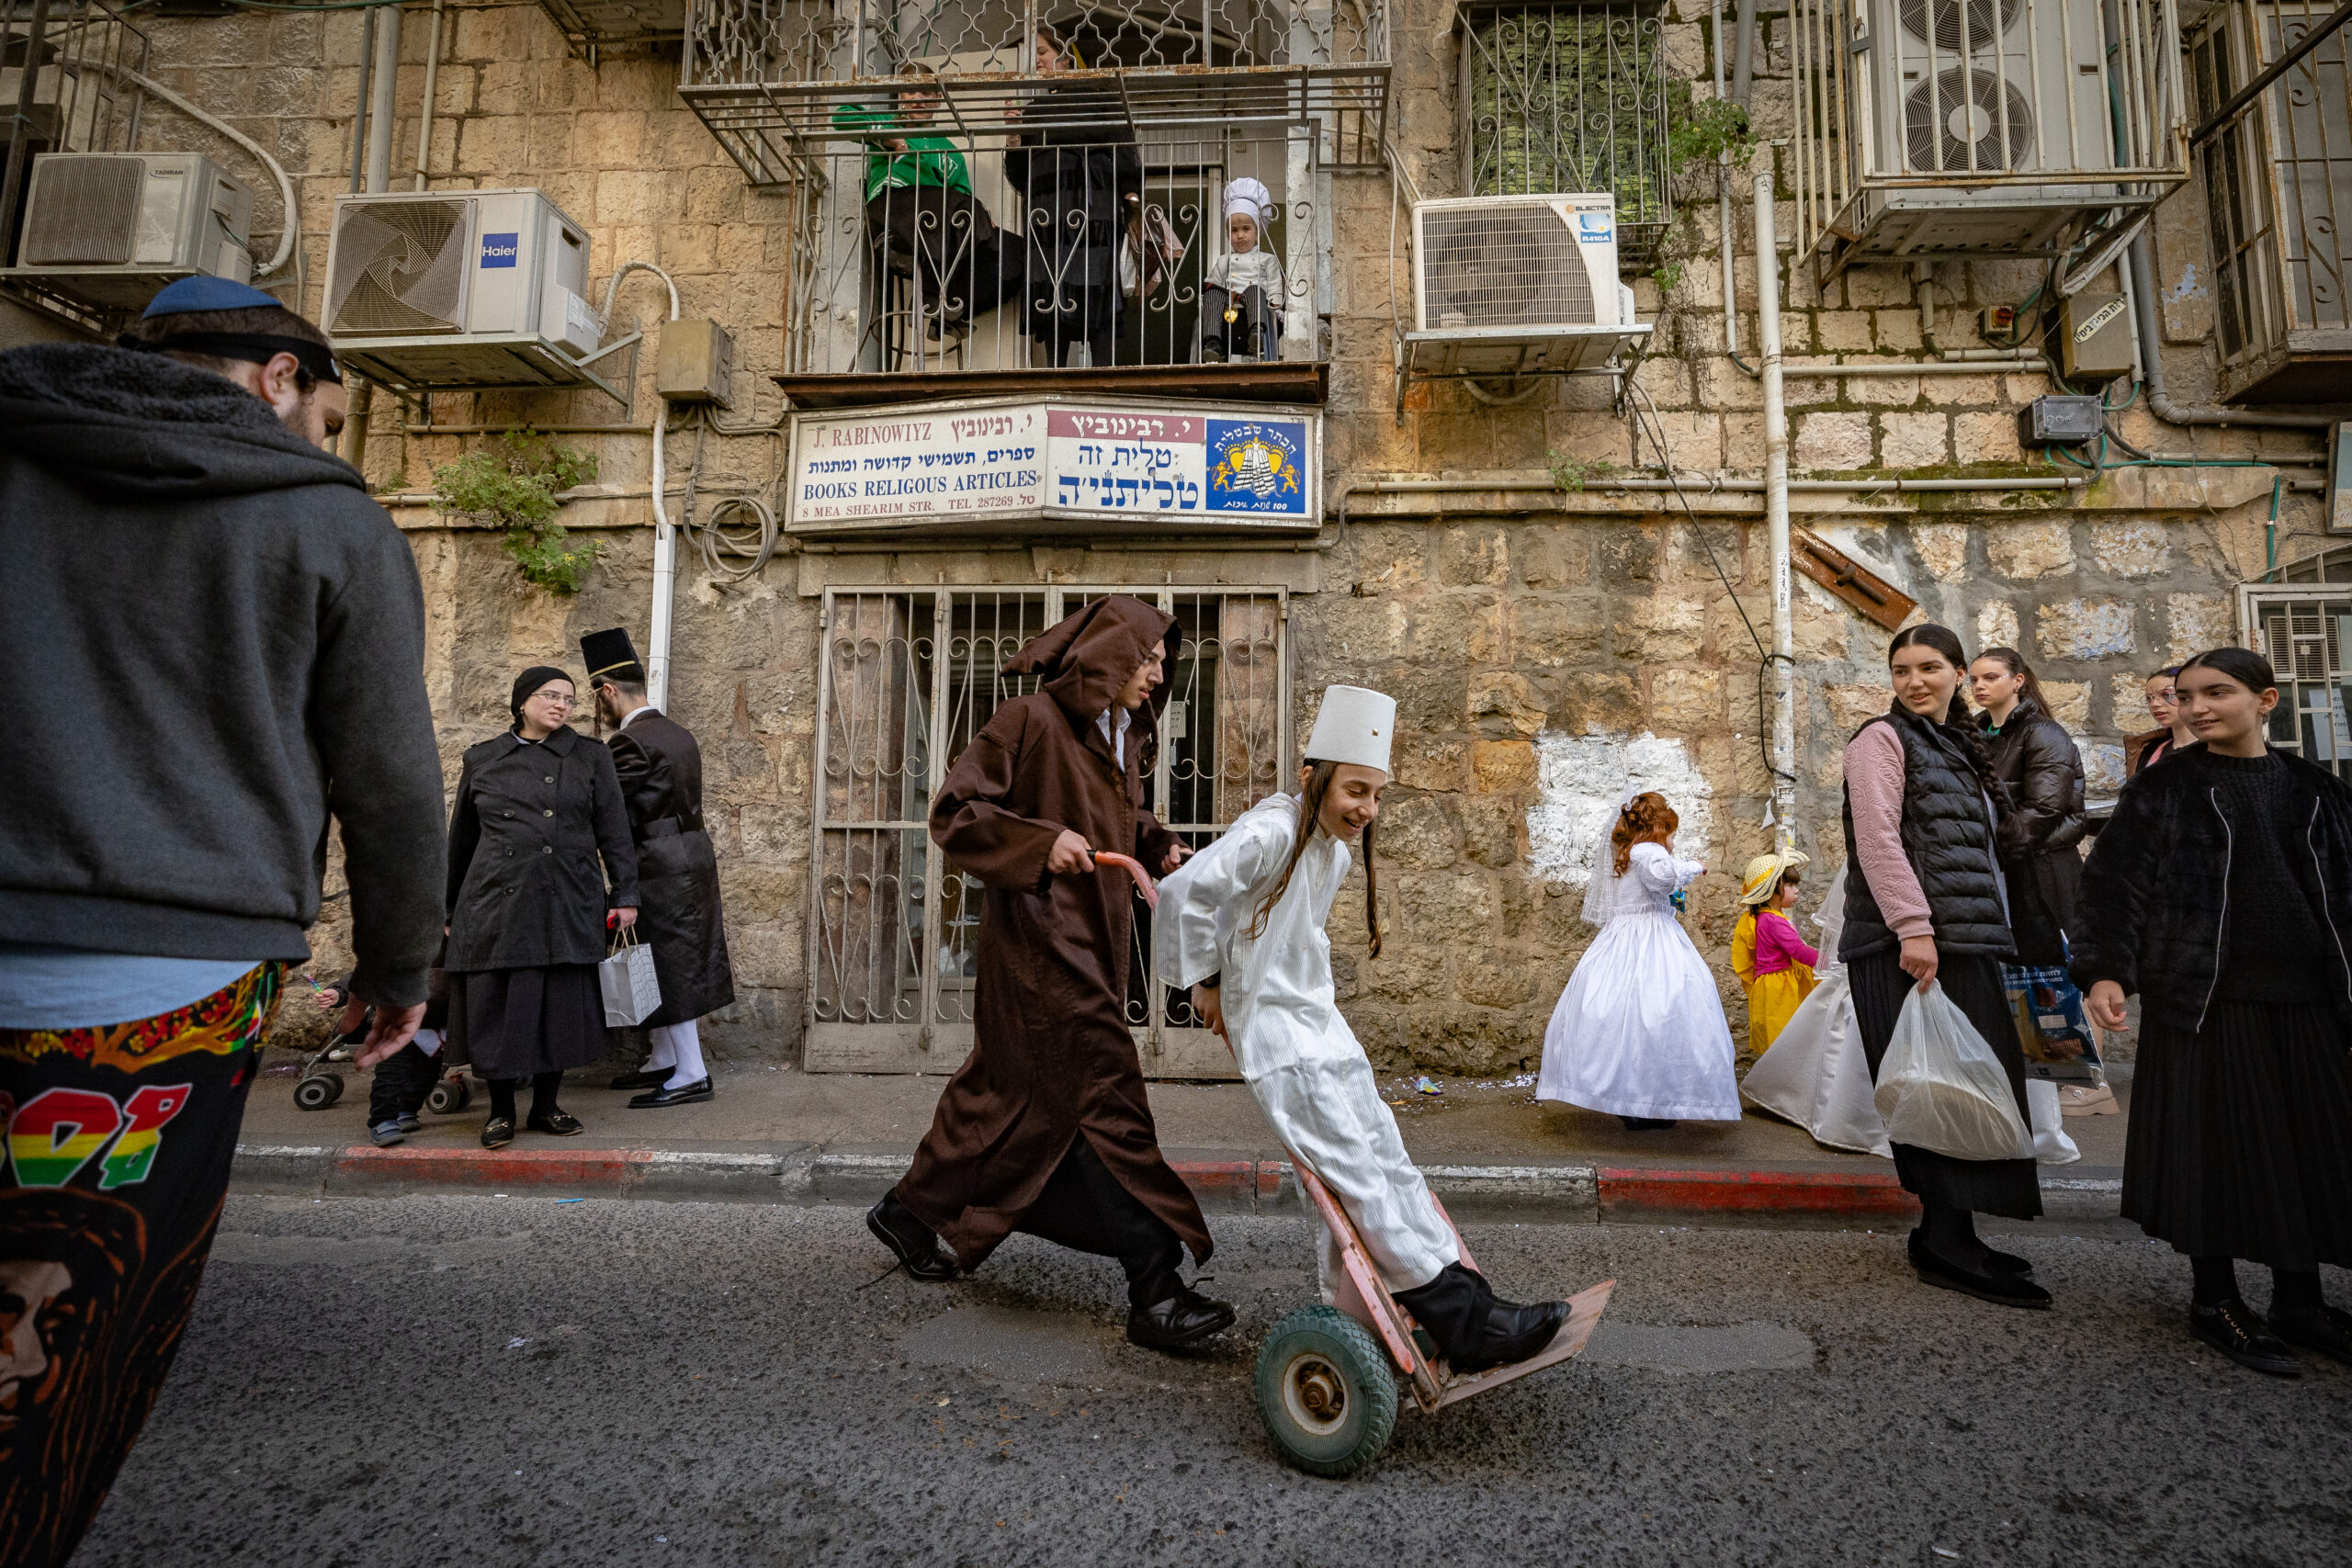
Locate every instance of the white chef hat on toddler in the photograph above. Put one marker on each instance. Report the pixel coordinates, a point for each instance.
(1355, 724)
(1250, 197)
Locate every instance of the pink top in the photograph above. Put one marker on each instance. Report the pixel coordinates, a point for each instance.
(1777, 945)
(1874, 789)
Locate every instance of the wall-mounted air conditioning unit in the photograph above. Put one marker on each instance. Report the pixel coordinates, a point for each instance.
(462, 288)
(1993, 128)
(108, 229)
(1508, 285)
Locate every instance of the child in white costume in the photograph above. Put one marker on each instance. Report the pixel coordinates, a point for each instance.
(1639, 1033)
(1241, 289)
(1242, 922)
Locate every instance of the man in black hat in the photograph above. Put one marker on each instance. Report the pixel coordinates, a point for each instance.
(660, 770)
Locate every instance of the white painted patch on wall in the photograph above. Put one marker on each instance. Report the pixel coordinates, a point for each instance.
(2188, 286)
(1580, 780)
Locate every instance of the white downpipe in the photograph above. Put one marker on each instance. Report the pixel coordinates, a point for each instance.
(1776, 518)
(382, 98)
(665, 537)
(432, 88)
(1722, 200)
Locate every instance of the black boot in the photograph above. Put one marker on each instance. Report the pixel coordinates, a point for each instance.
(917, 1250)
(1472, 1327)
(1168, 1315)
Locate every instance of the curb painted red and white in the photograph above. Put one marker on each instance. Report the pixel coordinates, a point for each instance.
(806, 1175)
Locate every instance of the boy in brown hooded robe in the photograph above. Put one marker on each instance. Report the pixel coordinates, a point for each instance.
(1045, 1128)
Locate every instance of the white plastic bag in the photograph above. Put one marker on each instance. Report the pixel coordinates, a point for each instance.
(1940, 1088)
(631, 992)
(2051, 1145)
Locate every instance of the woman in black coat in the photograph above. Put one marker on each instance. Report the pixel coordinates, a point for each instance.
(536, 809)
(2222, 893)
(1923, 902)
(1076, 166)
(2041, 830)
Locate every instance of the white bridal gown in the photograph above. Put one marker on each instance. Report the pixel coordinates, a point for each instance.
(1640, 1029)
(1301, 1061)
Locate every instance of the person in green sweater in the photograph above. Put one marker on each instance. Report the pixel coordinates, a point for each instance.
(919, 204)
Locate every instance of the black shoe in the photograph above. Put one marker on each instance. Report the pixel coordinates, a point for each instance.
(1513, 1333)
(2006, 1263)
(917, 1249)
(2001, 1290)
(1177, 1322)
(498, 1132)
(644, 1077)
(556, 1123)
(2237, 1331)
(2327, 1331)
(1646, 1123)
(692, 1094)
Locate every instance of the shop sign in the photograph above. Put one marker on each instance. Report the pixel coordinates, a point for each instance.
(1103, 464)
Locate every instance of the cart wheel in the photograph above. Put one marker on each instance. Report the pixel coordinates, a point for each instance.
(317, 1093)
(449, 1096)
(1327, 1392)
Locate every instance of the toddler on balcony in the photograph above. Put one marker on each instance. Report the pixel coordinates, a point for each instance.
(1241, 292)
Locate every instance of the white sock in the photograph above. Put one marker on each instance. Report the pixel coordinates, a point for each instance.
(665, 1053)
(682, 1043)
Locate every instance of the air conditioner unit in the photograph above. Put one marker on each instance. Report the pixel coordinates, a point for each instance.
(436, 290)
(1959, 105)
(1508, 285)
(108, 230)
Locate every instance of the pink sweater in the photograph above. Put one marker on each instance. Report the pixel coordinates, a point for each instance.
(1777, 945)
(1874, 788)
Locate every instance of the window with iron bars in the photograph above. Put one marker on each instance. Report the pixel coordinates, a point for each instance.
(1569, 98)
(908, 678)
(2305, 630)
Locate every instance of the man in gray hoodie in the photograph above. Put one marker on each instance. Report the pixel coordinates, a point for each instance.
(217, 640)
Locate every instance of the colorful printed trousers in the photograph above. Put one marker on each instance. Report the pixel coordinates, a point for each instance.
(119, 1139)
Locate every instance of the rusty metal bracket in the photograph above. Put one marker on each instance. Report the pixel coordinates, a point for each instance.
(1877, 598)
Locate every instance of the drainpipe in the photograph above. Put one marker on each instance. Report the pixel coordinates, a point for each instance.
(383, 77)
(1722, 211)
(1776, 515)
(1743, 60)
(665, 537)
(2143, 302)
(432, 86)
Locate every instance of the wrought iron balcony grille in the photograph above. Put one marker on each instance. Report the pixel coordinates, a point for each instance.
(768, 77)
(60, 78)
(2015, 128)
(2277, 196)
(1569, 98)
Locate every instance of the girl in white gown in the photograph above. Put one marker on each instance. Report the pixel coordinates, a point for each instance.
(1639, 1033)
(1816, 1074)
(1242, 923)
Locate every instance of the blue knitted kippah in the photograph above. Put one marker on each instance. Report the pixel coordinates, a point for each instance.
(206, 294)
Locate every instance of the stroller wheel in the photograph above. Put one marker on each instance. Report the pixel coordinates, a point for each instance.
(317, 1093)
(449, 1097)
(1326, 1391)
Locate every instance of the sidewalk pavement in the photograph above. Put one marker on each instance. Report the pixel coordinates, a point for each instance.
(783, 1136)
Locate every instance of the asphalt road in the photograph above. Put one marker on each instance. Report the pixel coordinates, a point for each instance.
(512, 1381)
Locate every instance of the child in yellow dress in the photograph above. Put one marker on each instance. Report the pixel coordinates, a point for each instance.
(1773, 962)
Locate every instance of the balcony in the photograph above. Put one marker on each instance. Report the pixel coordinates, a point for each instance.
(987, 192)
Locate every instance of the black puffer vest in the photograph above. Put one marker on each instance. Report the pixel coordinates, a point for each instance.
(1948, 837)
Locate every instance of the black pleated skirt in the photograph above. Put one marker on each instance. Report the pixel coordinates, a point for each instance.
(2241, 1136)
(518, 1023)
(2006, 1187)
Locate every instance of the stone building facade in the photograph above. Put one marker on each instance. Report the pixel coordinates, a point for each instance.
(1548, 645)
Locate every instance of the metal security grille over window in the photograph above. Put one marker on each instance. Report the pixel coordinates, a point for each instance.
(983, 186)
(1569, 98)
(1987, 128)
(2303, 626)
(908, 678)
(2278, 197)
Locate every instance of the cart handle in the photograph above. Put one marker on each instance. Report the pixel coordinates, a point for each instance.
(1132, 867)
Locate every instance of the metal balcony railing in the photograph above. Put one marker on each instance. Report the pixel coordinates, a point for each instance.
(60, 88)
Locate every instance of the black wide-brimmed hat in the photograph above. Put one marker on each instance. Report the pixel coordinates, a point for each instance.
(610, 656)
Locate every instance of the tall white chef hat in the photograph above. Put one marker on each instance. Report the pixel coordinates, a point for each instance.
(1355, 725)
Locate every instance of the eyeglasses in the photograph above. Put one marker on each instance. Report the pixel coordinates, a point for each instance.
(551, 698)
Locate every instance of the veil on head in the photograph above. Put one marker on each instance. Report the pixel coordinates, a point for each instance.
(1605, 892)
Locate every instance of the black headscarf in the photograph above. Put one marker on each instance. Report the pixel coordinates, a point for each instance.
(530, 681)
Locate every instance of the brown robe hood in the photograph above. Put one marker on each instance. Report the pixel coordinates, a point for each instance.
(1085, 658)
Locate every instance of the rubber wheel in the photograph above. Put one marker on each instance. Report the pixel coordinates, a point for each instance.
(1327, 1392)
(317, 1093)
(449, 1096)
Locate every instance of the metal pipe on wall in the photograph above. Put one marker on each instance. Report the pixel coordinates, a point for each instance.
(1776, 514)
(2151, 356)
(432, 88)
(1743, 60)
(379, 75)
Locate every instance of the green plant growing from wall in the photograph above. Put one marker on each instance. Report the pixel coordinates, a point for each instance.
(1572, 474)
(1701, 130)
(515, 485)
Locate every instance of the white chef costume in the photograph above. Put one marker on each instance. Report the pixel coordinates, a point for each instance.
(1301, 1061)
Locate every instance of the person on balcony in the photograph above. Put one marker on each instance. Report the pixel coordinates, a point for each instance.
(1077, 171)
(1241, 292)
(922, 222)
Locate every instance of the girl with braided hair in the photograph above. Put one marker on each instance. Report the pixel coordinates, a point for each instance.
(1639, 1032)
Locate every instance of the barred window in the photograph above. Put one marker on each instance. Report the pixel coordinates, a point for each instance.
(1569, 98)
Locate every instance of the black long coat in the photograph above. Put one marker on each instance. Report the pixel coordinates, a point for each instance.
(526, 832)
(2041, 831)
(1075, 167)
(677, 872)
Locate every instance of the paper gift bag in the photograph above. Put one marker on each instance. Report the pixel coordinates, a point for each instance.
(631, 992)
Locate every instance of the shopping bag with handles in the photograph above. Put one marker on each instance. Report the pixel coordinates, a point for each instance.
(631, 992)
(1940, 1088)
